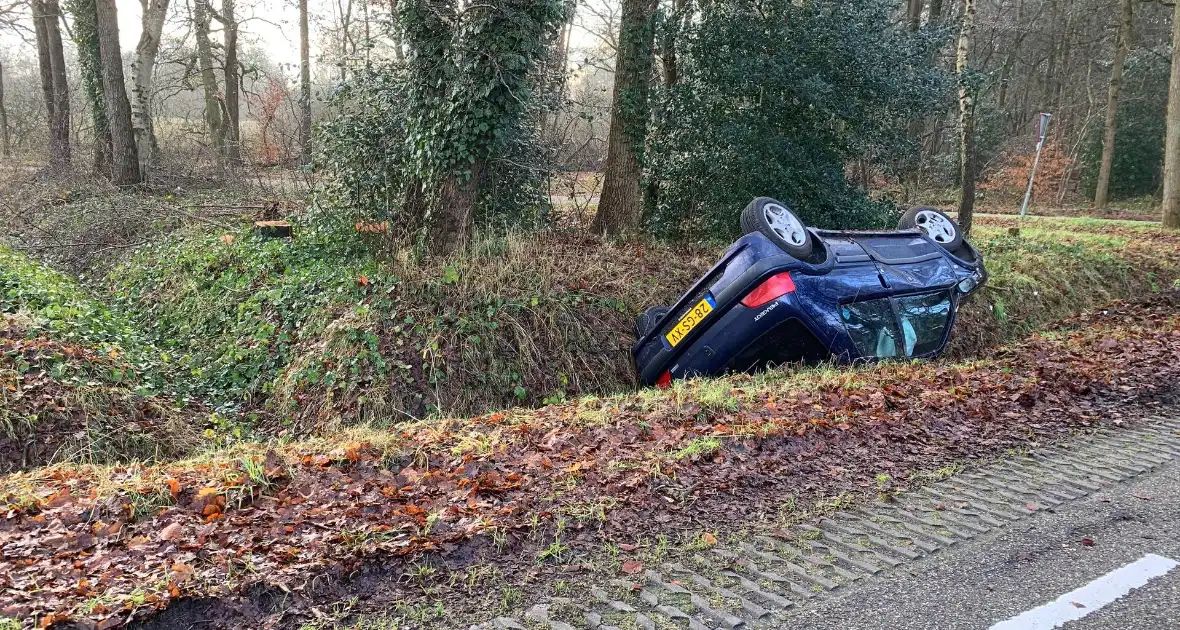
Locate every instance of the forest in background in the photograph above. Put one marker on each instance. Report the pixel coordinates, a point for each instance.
(842, 109)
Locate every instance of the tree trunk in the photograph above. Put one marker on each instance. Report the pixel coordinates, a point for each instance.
(213, 119)
(966, 118)
(670, 56)
(1171, 196)
(1121, 45)
(396, 32)
(44, 65)
(621, 205)
(346, 42)
(935, 10)
(233, 151)
(85, 33)
(5, 143)
(143, 67)
(305, 83)
(124, 156)
(914, 14)
(452, 219)
(52, 64)
(1054, 50)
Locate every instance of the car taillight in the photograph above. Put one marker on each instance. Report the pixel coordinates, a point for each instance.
(664, 381)
(774, 288)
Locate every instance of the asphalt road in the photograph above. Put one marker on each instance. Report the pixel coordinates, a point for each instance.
(1000, 577)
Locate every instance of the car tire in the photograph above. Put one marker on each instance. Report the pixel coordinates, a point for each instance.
(648, 319)
(936, 224)
(776, 221)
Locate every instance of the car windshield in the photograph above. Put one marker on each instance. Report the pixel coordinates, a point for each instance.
(898, 327)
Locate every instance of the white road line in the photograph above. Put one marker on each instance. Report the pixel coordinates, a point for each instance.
(1093, 596)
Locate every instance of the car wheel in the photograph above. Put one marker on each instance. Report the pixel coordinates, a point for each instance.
(938, 226)
(779, 224)
(648, 319)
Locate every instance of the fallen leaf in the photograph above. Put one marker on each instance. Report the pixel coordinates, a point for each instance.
(171, 531)
(1087, 541)
(182, 573)
(628, 547)
(632, 567)
(709, 539)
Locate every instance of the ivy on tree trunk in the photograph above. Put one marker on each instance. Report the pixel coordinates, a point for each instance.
(621, 204)
(214, 123)
(470, 69)
(85, 33)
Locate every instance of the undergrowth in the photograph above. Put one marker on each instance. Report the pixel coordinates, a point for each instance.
(64, 402)
(312, 333)
(1055, 269)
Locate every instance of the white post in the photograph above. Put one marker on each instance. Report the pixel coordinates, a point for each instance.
(1036, 162)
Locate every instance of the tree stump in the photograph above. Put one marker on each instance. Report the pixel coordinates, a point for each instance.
(273, 229)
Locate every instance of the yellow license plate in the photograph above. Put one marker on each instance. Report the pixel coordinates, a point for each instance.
(690, 321)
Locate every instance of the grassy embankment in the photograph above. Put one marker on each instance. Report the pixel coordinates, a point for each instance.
(305, 337)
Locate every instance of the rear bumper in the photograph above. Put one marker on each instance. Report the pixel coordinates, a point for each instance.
(726, 332)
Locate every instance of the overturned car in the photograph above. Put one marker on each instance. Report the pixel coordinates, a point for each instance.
(786, 293)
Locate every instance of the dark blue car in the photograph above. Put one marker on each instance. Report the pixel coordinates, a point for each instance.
(785, 293)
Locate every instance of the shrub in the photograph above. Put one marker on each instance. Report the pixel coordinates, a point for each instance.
(774, 98)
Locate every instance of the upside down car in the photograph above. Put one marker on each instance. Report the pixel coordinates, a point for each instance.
(786, 293)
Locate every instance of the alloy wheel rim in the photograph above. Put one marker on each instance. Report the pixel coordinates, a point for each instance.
(936, 226)
(784, 223)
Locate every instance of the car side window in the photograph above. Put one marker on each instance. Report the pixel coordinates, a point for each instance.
(923, 321)
(872, 327)
(917, 327)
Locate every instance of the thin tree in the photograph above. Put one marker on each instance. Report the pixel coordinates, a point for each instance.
(85, 34)
(228, 19)
(5, 142)
(52, 65)
(202, 14)
(621, 205)
(124, 154)
(143, 67)
(305, 82)
(395, 29)
(1171, 196)
(966, 117)
(1122, 45)
(914, 14)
